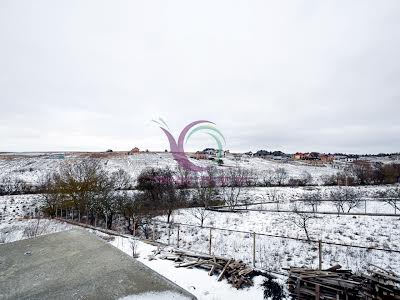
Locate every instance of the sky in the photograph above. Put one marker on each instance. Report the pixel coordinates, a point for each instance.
(278, 75)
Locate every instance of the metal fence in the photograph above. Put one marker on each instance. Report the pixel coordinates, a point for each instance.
(271, 252)
(261, 250)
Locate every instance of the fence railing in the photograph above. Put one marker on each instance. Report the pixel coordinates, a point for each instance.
(272, 252)
(367, 207)
(262, 250)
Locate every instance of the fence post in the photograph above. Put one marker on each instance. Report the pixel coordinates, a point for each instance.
(319, 255)
(169, 233)
(95, 220)
(72, 214)
(134, 227)
(365, 205)
(177, 242)
(210, 242)
(79, 216)
(61, 213)
(56, 211)
(154, 231)
(254, 249)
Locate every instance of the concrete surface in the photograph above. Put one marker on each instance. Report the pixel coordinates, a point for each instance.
(75, 264)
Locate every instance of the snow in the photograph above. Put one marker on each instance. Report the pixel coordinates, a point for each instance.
(17, 230)
(272, 253)
(275, 253)
(195, 281)
(31, 168)
(156, 296)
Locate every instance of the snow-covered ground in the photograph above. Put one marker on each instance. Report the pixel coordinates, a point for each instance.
(19, 206)
(287, 195)
(274, 253)
(194, 280)
(31, 168)
(28, 228)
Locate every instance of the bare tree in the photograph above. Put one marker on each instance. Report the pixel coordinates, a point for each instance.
(275, 196)
(268, 178)
(394, 198)
(200, 213)
(205, 188)
(121, 180)
(302, 221)
(312, 199)
(14, 186)
(35, 228)
(345, 199)
(281, 175)
(134, 245)
(231, 188)
(184, 177)
(306, 178)
(363, 171)
(84, 185)
(159, 190)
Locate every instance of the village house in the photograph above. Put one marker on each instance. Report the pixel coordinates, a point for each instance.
(200, 155)
(237, 156)
(134, 151)
(326, 158)
(210, 151)
(298, 156)
(306, 156)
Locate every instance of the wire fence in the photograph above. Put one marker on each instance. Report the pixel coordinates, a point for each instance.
(272, 252)
(266, 251)
(368, 207)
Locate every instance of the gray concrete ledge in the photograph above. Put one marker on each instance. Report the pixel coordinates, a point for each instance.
(75, 264)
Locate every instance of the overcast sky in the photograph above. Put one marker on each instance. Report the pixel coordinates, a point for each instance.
(277, 75)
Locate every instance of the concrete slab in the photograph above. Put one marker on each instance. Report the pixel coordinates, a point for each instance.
(76, 264)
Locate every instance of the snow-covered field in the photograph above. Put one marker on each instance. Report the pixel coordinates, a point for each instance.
(287, 196)
(28, 228)
(31, 168)
(195, 281)
(19, 206)
(274, 253)
(271, 252)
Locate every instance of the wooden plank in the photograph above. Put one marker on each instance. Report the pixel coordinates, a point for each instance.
(223, 270)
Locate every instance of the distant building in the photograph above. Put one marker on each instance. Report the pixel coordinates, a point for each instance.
(298, 156)
(249, 154)
(200, 155)
(306, 156)
(210, 151)
(326, 158)
(346, 158)
(237, 156)
(134, 151)
(262, 153)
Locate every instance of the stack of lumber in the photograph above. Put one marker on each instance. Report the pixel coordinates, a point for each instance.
(235, 271)
(334, 283)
